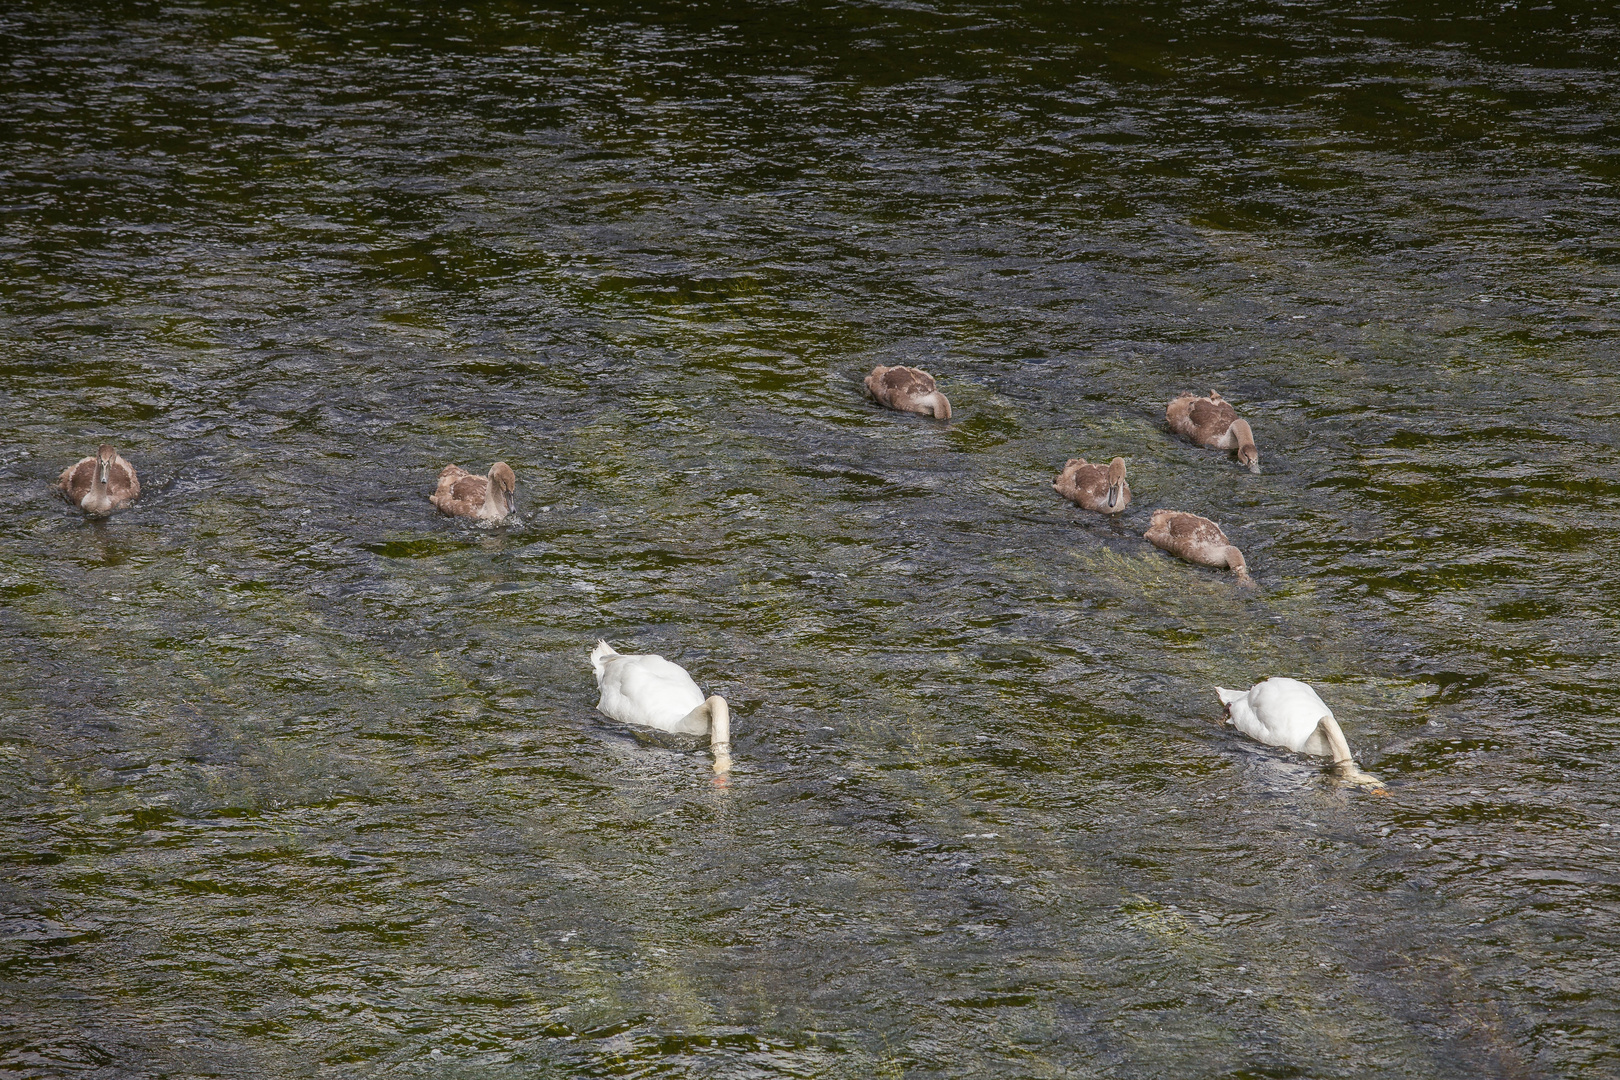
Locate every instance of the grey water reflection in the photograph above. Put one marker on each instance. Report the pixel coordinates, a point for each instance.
(302, 779)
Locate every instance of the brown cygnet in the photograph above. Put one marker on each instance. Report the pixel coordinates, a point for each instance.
(1096, 487)
(461, 494)
(1196, 539)
(1212, 422)
(908, 389)
(101, 484)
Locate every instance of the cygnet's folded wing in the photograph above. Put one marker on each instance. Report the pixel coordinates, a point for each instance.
(77, 479)
(1211, 418)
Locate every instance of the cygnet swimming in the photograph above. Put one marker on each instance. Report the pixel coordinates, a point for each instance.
(462, 494)
(101, 484)
(1096, 487)
(908, 389)
(1198, 540)
(650, 691)
(1212, 422)
(1286, 712)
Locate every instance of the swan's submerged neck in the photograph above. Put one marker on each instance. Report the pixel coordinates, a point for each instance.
(720, 732)
(1343, 763)
(1336, 742)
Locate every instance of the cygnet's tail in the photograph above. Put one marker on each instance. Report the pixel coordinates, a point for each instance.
(1229, 696)
(599, 658)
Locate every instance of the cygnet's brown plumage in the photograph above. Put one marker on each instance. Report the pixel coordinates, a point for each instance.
(1212, 422)
(908, 389)
(461, 494)
(101, 484)
(1196, 539)
(1096, 487)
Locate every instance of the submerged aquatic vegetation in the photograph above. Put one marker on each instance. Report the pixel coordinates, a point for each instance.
(302, 777)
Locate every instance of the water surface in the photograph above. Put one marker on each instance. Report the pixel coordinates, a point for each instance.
(302, 779)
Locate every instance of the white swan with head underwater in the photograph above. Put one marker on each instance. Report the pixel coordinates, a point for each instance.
(649, 691)
(1286, 712)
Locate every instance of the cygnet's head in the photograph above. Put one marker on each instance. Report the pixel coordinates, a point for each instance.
(1238, 565)
(502, 477)
(1247, 453)
(1116, 481)
(104, 459)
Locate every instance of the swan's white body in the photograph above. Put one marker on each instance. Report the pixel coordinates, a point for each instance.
(1286, 712)
(649, 691)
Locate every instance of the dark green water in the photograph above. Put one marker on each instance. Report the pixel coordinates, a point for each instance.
(301, 779)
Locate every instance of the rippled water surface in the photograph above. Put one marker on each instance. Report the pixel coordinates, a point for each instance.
(302, 779)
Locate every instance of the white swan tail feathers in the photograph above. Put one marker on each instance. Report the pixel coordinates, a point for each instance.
(1239, 711)
(599, 658)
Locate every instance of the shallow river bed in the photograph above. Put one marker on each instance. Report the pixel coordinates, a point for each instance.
(303, 779)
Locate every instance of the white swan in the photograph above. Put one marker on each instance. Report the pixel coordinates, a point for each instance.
(1286, 712)
(649, 691)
